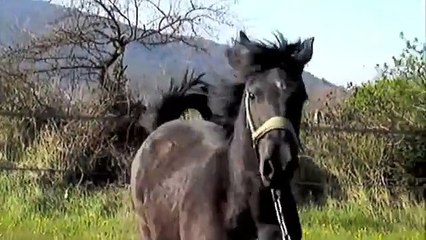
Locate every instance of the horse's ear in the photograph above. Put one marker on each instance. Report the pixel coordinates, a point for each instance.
(243, 38)
(238, 56)
(304, 54)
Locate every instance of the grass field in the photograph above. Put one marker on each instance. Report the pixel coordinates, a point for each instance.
(29, 212)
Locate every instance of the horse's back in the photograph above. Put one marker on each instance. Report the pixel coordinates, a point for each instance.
(173, 168)
(167, 148)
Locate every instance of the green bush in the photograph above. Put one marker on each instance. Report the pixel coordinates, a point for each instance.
(381, 167)
(397, 101)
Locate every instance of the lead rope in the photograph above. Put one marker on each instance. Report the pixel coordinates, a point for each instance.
(278, 210)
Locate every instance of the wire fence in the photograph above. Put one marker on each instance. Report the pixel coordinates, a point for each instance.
(300, 183)
(79, 117)
(421, 186)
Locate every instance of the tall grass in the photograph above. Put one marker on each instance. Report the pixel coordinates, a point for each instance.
(39, 205)
(30, 208)
(29, 211)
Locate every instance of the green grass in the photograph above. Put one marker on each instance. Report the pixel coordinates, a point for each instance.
(29, 212)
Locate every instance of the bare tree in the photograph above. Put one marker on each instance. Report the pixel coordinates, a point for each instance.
(86, 44)
(88, 40)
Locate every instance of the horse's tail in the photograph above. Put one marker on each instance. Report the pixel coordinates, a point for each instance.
(192, 92)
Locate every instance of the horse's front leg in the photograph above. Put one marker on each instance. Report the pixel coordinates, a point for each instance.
(268, 232)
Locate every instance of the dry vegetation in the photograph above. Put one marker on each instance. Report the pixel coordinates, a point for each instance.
(77, 69)
(69, 72)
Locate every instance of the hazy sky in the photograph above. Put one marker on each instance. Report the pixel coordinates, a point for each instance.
(351, 36)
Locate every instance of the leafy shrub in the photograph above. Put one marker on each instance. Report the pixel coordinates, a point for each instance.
(384, 165)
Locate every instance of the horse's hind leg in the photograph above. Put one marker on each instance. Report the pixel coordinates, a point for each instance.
(143, 230)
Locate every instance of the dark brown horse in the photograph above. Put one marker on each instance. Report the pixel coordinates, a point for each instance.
(190, 180)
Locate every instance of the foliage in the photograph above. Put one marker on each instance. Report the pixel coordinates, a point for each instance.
(76, 69)
(388, 166)
(398, 101)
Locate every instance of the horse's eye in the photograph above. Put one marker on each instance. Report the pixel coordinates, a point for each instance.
(251, 95)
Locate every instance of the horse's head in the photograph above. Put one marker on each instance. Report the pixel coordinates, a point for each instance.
(273, 98)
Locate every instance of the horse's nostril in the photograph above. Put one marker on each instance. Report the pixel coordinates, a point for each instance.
(268, 169)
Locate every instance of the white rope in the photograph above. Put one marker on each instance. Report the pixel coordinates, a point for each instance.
(280, 217)
(248, 113)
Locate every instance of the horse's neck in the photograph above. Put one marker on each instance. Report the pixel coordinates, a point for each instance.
(242, 168)
(241, 154)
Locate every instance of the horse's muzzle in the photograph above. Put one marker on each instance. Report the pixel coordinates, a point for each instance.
(274, 157)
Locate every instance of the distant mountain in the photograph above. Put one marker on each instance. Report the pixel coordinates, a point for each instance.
(145, 67)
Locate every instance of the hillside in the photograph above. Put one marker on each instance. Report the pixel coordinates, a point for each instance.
(145, 67)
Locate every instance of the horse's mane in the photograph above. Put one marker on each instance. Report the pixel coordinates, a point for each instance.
(191, 92)
(271, 54)
(224, 102)
(281, 45)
